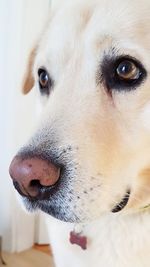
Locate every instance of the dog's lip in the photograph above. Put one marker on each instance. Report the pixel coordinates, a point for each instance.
(122, 203)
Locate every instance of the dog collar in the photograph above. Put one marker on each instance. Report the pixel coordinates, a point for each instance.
(146, 207)
(77, 237)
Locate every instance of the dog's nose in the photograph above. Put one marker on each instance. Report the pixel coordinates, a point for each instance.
(31, 174)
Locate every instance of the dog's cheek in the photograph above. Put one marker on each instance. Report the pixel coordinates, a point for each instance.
(141, 194)
(145, 117)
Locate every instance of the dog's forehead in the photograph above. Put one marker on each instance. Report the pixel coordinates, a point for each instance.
(80, 22)
(109, 17)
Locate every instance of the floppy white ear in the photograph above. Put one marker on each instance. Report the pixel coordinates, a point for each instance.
(28, 80)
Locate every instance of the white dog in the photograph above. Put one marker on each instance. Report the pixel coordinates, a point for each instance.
(89, 160)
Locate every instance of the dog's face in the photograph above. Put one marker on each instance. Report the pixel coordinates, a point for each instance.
(91, 71)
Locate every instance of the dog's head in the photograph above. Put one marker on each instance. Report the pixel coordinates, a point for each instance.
(91, 152)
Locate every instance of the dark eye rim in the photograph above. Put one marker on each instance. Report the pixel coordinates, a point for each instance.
(45, 90)
(111, 79)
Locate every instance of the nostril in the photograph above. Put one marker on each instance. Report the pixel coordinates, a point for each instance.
(23, 191)
(35, 183)
(34, 188)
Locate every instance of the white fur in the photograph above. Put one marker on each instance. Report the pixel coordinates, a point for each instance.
(113, 241)
(112, 136)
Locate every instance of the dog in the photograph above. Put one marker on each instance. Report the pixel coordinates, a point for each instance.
(88, 162)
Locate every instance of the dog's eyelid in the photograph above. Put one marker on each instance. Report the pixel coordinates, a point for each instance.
(40, 69)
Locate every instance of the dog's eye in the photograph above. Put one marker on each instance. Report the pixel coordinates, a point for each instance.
(45, 83)
(127, 70)
(123, 73)
(43, 79)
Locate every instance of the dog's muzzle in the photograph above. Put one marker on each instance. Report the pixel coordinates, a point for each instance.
(31, 175)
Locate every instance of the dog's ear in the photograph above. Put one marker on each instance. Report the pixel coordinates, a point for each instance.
(28, 80)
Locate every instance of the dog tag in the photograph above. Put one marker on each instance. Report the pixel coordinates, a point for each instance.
(78, 239)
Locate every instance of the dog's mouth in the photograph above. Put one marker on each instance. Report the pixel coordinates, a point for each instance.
(122, 203)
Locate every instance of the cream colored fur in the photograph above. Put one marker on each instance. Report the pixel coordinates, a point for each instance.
(110, 136)
(113, 241)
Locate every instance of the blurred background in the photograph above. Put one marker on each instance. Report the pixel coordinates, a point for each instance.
(21, 22)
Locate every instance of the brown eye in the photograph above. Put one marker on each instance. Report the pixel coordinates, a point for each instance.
(127, 70)
(45, 82)
(43, 78)
(123, 73)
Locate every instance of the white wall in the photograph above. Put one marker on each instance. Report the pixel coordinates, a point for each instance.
(20, 23)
